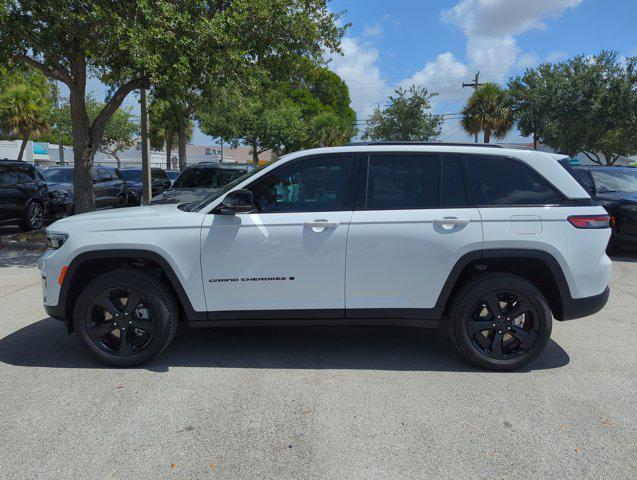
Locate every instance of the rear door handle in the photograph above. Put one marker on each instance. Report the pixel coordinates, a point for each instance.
(321, 224)
(450, 222)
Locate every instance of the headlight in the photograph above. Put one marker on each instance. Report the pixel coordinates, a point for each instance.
(629, 208)
(55, 240)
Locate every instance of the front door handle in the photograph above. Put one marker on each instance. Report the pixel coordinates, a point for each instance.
(450, 222)
(321, 224)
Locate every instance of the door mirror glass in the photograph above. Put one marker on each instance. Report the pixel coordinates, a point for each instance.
(238, 201)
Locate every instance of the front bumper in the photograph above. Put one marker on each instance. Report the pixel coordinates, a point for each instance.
(573, 308)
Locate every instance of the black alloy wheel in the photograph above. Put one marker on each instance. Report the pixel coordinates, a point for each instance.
(126, 317)
(499, 321)
(502, 325)
(34, 217)
(121, 322)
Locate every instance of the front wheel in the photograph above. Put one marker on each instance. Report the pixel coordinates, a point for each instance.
(34, 217)
(125, 317)
(500, 321)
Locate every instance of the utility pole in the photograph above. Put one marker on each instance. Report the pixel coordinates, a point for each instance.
(146, 178)
(476, 83)
(56, 105)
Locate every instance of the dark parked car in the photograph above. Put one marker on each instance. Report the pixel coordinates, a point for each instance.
(133, 177)
(109, 188)
(615, 188)
(200, 180)
(24, 197)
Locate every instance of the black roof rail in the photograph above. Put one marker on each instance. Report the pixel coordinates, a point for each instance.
(438, 144)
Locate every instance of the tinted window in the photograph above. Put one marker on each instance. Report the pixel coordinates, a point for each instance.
(452, 187)
(397, 182)
(59, 175)
(132, 175)
(584, 178)
(8, 174)
(613, 179)
(314, 185)
(157, 174)
(26, 174)
(503, 181)
(105, 175)
(199, 177)
(117, 174)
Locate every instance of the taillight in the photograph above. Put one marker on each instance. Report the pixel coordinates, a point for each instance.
(590, 221)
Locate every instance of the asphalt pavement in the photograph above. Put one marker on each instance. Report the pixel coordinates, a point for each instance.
(315, 403)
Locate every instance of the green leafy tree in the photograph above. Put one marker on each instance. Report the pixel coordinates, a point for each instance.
(406, 117)
(533, 95)
(488, 110)
(164, 128)
(25, 103)
(120, 133)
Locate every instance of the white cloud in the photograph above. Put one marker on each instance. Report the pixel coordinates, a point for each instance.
(527, 60)
(358, 67)
(556, 57)
(492, 25)
(373, 31)
(444, 76)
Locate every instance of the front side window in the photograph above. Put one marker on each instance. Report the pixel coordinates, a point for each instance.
(499, 181)
(132, 175)
(314, 185)
(105, 175)
(8, 175)
(59, 175)
(398, 182)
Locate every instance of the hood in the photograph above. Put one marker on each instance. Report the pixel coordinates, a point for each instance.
(115, 218)
(618, 197)
(182, 195)
(64, 186)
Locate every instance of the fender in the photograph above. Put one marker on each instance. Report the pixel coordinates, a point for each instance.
(59, 311)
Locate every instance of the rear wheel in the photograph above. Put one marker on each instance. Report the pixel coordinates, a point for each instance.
(34, 217)
(500, 321)
(125, 317)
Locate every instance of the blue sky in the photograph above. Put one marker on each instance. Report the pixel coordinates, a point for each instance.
(440, 44)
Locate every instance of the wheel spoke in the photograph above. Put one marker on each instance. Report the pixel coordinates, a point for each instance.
(124, 347)
(147, 325)
(524, 337)
(496, 345)
(519, 309)
(132, 302)
(99, 331)
(108, 305)
(493, 302)
(476, 326)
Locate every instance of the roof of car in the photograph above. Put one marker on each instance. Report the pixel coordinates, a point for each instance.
(219, 165)
(9, 160)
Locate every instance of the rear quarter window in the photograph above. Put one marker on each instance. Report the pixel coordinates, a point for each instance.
(499, 181)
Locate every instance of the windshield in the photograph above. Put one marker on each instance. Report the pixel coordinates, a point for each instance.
(207, 177)
(172, 174)
(132, 175)
(615, 179)
(196, 206)
(59, 175)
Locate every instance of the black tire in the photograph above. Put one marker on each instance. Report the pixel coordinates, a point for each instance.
(150, 330)
(505, 342)
(33, 217)
(121, 201)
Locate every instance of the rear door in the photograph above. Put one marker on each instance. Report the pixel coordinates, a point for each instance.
(415, 220)
(287, 258)
(11, 198)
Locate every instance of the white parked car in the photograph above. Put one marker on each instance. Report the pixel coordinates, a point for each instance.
(494, 242)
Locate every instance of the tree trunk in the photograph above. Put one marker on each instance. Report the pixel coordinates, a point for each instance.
(255, 153)
(169, 150)
(83, 152)
(535, 141)
(117, 159)
(487, 136)
(25, 140)
(181, 143)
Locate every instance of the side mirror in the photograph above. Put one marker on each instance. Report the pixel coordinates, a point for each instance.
(238, 201)
(167, 183)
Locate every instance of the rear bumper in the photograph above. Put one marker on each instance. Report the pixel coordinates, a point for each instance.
(573, 308)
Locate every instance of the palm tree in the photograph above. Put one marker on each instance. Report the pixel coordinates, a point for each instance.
(488, 110)
(24, 112)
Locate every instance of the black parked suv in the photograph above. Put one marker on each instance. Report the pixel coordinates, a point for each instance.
(109, 188)
(614, 188)
(24, 197)
(133, 177)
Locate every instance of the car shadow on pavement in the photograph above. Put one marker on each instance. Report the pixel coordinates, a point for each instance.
(18, 258)
(46, 344)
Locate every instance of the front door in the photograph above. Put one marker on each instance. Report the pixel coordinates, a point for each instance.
(414, 224)
(11, 199)
(287, 258)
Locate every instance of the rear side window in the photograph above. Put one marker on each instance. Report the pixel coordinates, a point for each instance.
(8, 174)
(401, 182)
(506, 182)
(452, 186)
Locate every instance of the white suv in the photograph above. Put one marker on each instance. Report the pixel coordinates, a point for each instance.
(494, 242)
